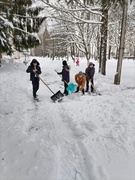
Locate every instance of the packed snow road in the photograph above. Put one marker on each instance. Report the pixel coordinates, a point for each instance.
(81, 138)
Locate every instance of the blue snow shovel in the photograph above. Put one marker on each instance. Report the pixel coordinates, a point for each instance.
(71, 87)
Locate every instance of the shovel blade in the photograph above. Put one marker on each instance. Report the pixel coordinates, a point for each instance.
(71, 88)
(57, 96)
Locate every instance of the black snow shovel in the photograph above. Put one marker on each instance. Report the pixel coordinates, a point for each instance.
(56, 96)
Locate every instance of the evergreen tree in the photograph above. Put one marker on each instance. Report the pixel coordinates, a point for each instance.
(5, 27)
(19, 23)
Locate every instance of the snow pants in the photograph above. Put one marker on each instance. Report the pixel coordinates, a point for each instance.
(87, 85)
(65, 87)
(35, 84)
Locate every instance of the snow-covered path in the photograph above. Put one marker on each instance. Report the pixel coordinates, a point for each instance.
(81, 138)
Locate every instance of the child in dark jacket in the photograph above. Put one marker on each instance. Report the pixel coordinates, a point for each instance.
(90, 71)
(65, 76)
(34, 70)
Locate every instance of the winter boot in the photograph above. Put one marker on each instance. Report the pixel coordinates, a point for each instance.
(83, 91)
(77, 89)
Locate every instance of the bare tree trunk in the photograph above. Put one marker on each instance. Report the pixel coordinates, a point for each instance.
(117, 53)
(53, 55)
(109, 52)
(98, 45)
(0, 59)
(88, 62)
(134, 52)
(101, 53)
(73, 52)
(122, 44)
(103, 46)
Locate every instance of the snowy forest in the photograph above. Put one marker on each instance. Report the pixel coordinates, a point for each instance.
(90, 29)
(67, 83)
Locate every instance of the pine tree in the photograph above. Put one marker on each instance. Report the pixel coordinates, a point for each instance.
(5, 27)
(19, 23)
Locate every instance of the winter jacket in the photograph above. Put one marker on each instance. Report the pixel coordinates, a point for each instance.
(65, 73)
(77, 62)
(90, 72)
(80, 80)
(32, 74)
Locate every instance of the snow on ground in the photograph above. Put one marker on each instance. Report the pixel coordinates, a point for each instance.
(81, 138)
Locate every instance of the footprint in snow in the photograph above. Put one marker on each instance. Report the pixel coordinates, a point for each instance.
(91, 126)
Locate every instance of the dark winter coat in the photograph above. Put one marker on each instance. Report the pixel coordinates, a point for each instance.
(30, 70)
(90, 72)
(65, 73)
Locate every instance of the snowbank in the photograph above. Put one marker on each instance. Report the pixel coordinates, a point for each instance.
(83, 137)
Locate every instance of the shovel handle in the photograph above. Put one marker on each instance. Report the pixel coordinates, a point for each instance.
(93, 87)
(98, 93)
(60, 76)
(46, 85)
(57, 72)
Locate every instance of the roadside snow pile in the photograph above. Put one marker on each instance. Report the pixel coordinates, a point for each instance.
(83, 137)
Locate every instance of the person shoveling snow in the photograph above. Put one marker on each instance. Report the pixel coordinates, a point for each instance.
(65, 76)
(80, 79)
